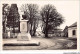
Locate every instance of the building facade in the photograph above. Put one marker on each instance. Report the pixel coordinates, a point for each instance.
(72, 30)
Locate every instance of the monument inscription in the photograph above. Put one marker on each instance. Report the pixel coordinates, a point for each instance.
(24, 34)
(23, 25)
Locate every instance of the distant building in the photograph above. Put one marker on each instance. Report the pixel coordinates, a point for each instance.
(71, 31)
(56, 32)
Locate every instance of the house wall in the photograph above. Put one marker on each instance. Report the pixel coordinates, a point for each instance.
(70, 32)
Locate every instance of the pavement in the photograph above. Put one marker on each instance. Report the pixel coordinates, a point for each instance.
(54, 43)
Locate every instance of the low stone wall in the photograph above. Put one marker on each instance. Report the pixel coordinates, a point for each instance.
(12, 35)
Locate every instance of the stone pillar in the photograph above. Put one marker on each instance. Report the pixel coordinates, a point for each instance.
(24, 34)
(23, 26)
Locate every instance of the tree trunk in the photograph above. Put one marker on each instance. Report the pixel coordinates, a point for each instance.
(13, 29)
(4, 27)
(34, 30)
(46, 30)
(19, 26)
(31, 30)
(13, 26)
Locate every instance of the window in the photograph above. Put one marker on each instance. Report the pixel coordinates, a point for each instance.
(74, 32)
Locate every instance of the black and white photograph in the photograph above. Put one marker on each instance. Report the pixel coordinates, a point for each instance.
(40, 25)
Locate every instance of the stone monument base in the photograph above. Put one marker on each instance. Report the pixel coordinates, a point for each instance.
(24, 37)
(22, 44)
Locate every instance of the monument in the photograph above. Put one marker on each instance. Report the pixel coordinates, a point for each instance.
(24, 30)
(24, 37)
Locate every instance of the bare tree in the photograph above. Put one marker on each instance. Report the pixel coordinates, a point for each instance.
(51, 18)
(31, 11)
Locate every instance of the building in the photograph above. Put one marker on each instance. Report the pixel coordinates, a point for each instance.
(72, 30)
(57, 32)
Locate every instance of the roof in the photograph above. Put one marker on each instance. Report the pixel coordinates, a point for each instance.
(73, 25)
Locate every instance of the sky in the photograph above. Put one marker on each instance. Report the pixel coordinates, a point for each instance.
(69, 9)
